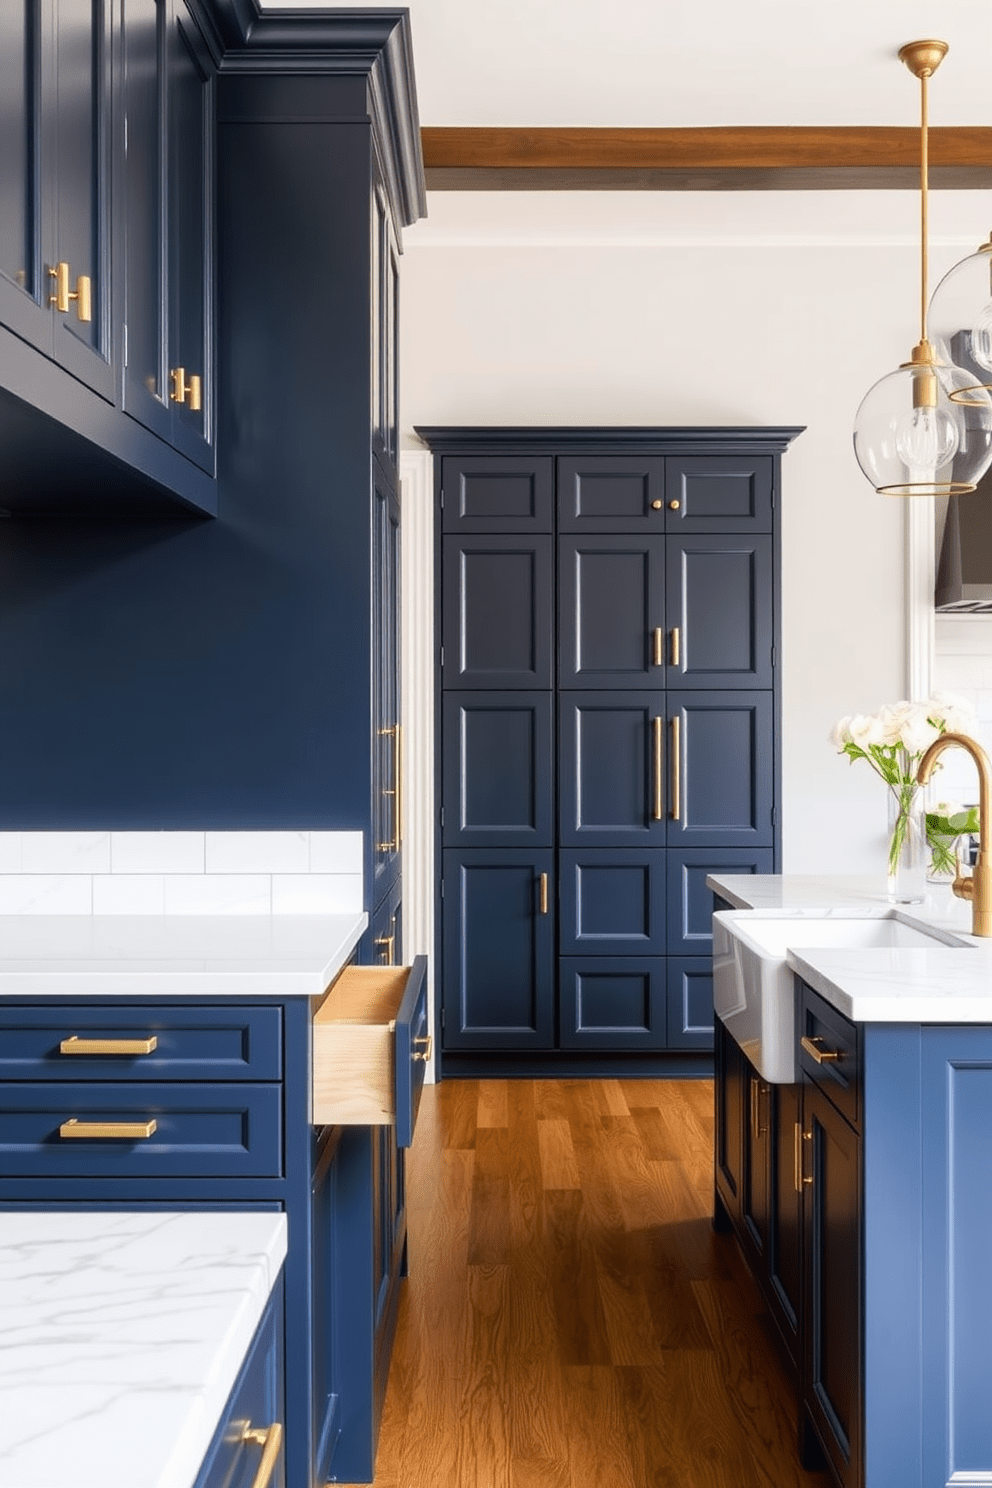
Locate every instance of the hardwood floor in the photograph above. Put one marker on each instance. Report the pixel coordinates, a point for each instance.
(571, 1320)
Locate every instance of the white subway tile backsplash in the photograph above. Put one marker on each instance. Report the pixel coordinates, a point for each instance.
(10, 852)
(316, 893)
(157, 852)
(129, 894)
(218, 893)
(46, 893)
(257, 852)
(65, 852)
(335, 852)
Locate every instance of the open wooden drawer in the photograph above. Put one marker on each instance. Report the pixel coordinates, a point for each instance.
(370, 1048)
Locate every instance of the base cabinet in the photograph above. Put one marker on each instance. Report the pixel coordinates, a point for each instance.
(250, 1439)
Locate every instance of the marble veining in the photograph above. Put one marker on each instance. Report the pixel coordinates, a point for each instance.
(939, 984)
(121, 1336)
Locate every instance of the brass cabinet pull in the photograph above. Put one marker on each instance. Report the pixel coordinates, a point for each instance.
(799, 1178)
(658, 636)
(269, 1438)
(657, 505)
(674, 505)
(758, 1090)
(121, 1131)
(544, 893)
(188, 390)
(396, 790)
(425, 1045)
(118, 1047)
(822, 1056)
(676, 770)
(194, 390)
(387, 943)
(676, 646)
(659, 807)
(82, 294)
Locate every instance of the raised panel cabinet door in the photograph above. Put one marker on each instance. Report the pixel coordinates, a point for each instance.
(611, 611)
(26, 169)
(612, 1002)
(784, 1252)
(719, 611)
(498, 769)
(731, 1097)
(690, 1002)
(612, 767)
(611, 901)
(611, 493)
(719, 493)
(499, 942)
(720, 769)
(832, 1389)
(497, 493)
(690, 902)
(82, 230)
(757, 1147)
(498, 620)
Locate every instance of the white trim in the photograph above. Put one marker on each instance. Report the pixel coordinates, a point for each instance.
(920, 575)
(417, 712)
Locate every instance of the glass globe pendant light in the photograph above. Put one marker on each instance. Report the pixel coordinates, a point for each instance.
(960, 316)
(925, 429)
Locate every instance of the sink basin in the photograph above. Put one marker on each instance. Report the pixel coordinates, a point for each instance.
(753, 986)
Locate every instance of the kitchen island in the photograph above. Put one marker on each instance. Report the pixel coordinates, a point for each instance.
(862, 1193)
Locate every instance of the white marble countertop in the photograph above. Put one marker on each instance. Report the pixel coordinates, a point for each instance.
(943, 984)
(121, 1337)
(174, 955)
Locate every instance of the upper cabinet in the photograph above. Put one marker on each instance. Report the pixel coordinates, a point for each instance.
(55, 179)
(168, 216)
(106, 282)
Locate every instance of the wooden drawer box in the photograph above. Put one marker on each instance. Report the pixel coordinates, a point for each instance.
(140, 1131)
(125, 1041)
(371, 1047)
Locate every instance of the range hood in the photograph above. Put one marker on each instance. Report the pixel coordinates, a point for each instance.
(964, 566)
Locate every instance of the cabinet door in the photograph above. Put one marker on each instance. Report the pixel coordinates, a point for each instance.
(611, 493)
(731, 1098)
(612, 770)
(690, 1002)
(611, 901)
(832, 1252)
(757, 1146)
(387, 763)
(611, 611)
(720, 769)
(498, 612)
(498, 769)
(498, 975)
(26, 170)
(146, 386)
(719, 493)
(612, 1002)
(497, 493)
(784, 1235)
(719, 611)
(690, 902)
(80, 233)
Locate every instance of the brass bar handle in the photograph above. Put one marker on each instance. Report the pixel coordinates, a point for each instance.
(658, 638)
(387, 943)
(424, 1044)
(180, 387)
(116, 1047)
(799, 1178)
(676, 769)
(544, 893)
(658, 811)
(269, 1438)
(194, 399)
(393, 845)
(821, 1056)
(120, 1131)
(82, 294)
(676, 646)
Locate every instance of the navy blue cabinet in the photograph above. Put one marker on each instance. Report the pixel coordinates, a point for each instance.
(252, 1428)
(608, 703)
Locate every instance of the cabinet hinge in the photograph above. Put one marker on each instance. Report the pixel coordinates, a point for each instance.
(774, 656)
(442, 888)
(124, 349)
(442, 499)
(442, 656)
(774, 816)
(442, 816)
(442, 1017)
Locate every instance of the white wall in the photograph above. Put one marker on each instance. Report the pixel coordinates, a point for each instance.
(508, 319)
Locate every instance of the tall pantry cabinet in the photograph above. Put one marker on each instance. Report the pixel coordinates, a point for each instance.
(609, 702)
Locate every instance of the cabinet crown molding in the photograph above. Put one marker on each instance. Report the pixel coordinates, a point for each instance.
(670, 440)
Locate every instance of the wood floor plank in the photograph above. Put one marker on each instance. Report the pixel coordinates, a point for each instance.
(492, 1108)
(559, 1168)
(611, 1097)
(458, 1102)
(579, 1319)
(489, 1220)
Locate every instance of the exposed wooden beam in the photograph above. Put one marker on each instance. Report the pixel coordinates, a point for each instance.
(764, 158)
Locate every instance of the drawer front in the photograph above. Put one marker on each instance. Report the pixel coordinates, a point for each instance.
(413, 1049)
(829, 1053)
(139, 1043)
(256, 1405)
(144, 1131)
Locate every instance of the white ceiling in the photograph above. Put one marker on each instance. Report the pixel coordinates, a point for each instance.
(656, 63)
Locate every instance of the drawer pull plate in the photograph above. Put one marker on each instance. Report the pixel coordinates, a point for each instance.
(821, 1056)
(269, 1438)
(76, 1045)
(121, 1131)
(425, 1045)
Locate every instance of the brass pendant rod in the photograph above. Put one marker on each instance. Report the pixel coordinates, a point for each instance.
(924, 204)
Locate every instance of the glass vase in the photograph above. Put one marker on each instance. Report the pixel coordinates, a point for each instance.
(908, 854)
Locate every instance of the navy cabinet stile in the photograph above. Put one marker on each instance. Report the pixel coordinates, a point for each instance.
(608, 702)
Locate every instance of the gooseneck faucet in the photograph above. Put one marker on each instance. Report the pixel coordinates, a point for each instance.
(977, 888)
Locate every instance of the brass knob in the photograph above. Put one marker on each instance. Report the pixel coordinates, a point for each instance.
(657, 505)
(674, 505)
